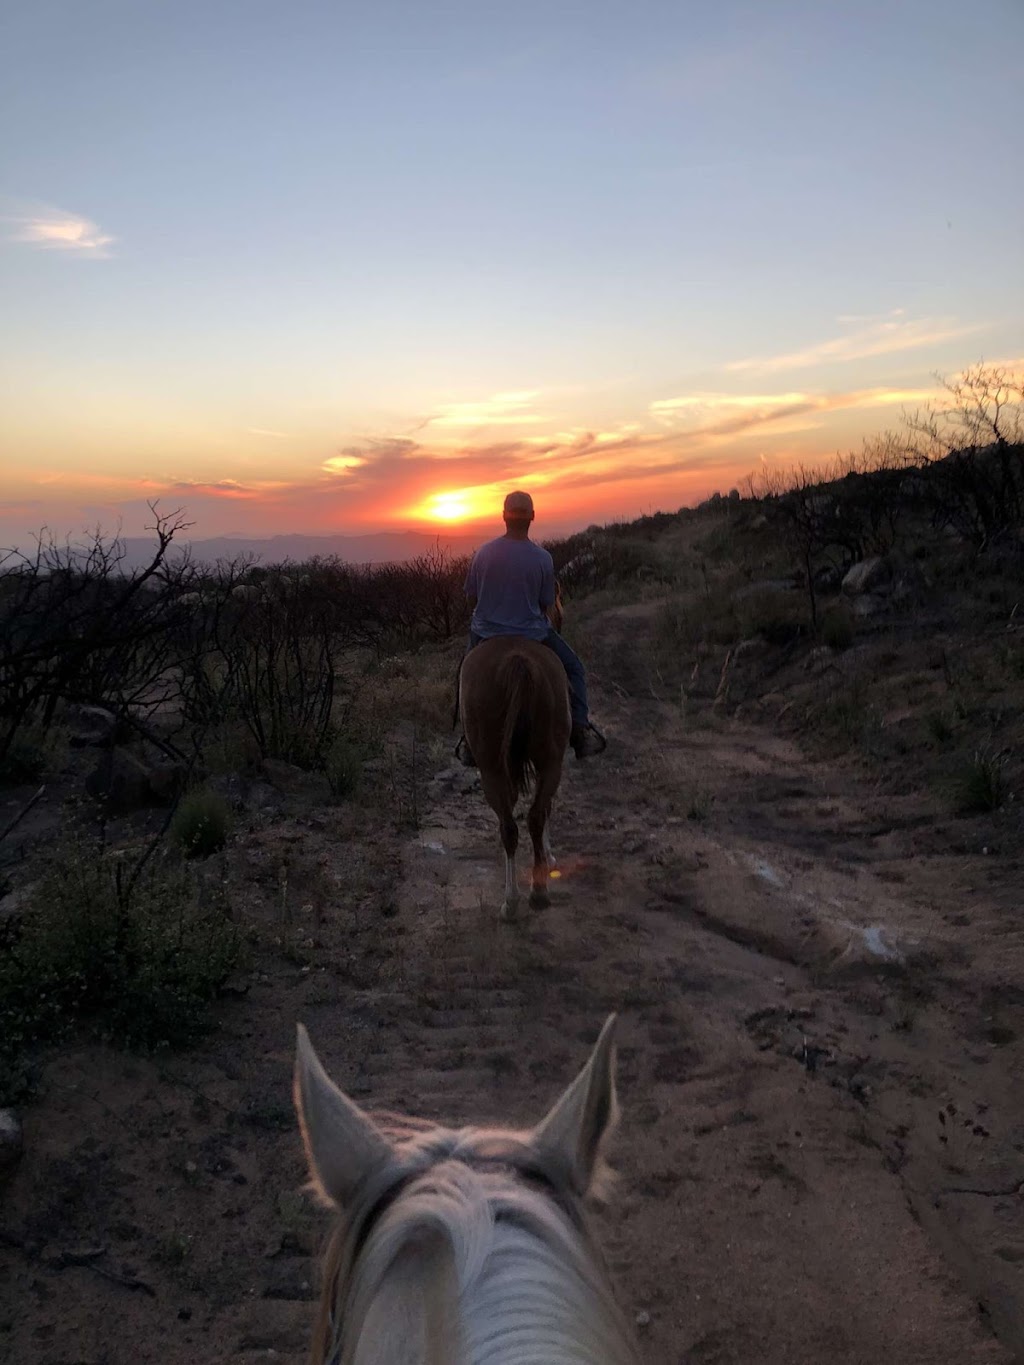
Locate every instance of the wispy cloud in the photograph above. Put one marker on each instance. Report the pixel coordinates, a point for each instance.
(267, 431)
(51, 229)
(343, 464)
(729, 414)
(862, 318)
(502, 409)
(221, 488)
(878, 337)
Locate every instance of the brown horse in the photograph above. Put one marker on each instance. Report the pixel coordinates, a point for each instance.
(514, 702)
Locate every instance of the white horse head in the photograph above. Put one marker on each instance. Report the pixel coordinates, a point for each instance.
(463, 1246)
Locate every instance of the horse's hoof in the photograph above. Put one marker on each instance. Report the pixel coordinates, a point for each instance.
(539, 899)
(509, 912)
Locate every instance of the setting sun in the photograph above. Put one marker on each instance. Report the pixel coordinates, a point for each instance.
(461, 504)
(449, 506)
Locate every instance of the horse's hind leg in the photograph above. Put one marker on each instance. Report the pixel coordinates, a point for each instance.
(500, 803)
(543, 859)
(510, 842)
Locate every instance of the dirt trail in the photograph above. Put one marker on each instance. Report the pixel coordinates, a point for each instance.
(808, 1086)
(822, 1148)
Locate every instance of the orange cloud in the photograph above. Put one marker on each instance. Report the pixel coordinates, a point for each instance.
(689, 444)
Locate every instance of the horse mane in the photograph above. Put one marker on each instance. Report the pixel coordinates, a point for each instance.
(518, 678)
(470, 1246)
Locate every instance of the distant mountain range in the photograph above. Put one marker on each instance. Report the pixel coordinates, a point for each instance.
(387, 547)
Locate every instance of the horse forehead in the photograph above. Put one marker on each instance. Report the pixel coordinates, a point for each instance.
(477, 1144)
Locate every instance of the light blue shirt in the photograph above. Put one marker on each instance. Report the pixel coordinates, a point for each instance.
(513, 582)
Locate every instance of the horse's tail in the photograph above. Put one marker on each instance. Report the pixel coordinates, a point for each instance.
(521, 697)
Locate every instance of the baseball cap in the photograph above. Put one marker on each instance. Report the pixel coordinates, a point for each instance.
(519, 504)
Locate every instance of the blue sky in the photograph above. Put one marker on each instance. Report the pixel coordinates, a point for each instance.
(304, 266)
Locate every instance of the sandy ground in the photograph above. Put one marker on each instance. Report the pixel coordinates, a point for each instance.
(821, 1155)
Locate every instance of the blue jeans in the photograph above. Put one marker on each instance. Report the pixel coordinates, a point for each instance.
(574, 672)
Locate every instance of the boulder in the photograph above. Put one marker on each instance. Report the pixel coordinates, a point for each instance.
(868, 575)
(122, 780)
(88, 725)
(286, 777)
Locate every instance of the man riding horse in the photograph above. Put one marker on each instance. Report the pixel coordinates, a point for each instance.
(510, 586)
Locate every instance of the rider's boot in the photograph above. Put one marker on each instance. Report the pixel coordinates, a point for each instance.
(463, 754)
(586, 740)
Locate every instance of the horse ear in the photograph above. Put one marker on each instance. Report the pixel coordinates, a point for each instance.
(573, 1133)
(343, 1146)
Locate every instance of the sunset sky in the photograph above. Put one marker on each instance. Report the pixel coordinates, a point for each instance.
(339, 267)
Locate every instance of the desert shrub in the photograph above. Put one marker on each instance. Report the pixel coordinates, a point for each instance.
(837, 628)
(343, 766)
(76, 625)
(711, 617)
(845, 718)
(980, 785)
(283, 689)
(135, 951)
(607, 557)
(940, 726)
(200, 823)
(33, 751)
(775, 616)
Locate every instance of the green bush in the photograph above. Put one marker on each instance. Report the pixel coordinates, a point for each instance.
(343, 766)
(201, 823)
(981, 785)
(136, 952)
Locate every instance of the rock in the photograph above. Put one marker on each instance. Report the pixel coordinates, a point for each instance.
(89, 725)
(289, 1281)
(849, 947)
(286, 777)
(870, 604)
(752, 648)
(12, 1143)
(121, 780)
(869, 575)
(14, 901)
(167, 780)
